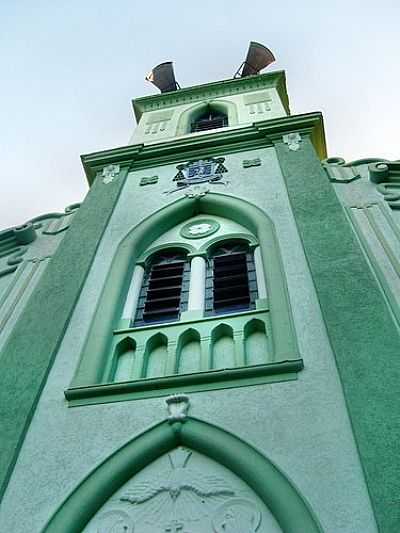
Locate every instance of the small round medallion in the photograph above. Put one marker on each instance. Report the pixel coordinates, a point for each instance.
(199, 229)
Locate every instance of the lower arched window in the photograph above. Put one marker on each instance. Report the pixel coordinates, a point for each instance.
(231, 283)
(164, 292)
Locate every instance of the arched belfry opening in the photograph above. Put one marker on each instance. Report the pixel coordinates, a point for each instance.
(193, 476)
(210, 114)
(210, 119)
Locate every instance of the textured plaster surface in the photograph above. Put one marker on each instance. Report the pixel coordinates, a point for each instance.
(28, 354)
(359, 323)
(302, 425)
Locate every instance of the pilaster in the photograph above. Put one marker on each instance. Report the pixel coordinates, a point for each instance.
(362, 332)
(28, 355)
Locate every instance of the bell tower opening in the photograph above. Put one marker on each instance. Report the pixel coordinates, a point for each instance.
(209, 120)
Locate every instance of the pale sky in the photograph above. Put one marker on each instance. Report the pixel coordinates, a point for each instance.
(70, 69)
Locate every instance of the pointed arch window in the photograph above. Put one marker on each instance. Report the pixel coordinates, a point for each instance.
(164, 292)
(231, 283)
(209, 120)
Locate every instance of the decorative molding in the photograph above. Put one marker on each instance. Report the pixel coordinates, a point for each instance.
(157, 122)
(386, 176)
(263, 477)
(200, 228)
(368, 211)
(198, 93)
(178, 407)
(247, 163)
(197, 191)
(210, 380)
(14, 242)
(338, 171)
(110, 172)
(258, 103)
(292, 140)
(148, 180)
(259, 135)
(63, 221)
(20, 290)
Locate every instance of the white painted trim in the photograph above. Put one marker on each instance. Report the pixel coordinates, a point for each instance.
(197, 284)
(133, 293)
(260, 275)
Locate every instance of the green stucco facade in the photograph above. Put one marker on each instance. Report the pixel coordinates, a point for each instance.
(279, 418)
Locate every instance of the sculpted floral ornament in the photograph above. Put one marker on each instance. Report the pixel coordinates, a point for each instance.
(110, 172)
(198, 229)
(292, 140)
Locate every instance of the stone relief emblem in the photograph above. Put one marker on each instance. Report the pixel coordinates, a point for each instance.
(202, 171)
(110, 172)
(115, 522)
(180, 494)
(237, 515)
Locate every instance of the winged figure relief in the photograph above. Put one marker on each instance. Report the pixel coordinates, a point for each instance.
(179, 493)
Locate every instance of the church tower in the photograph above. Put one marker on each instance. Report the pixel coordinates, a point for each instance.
(210, 341)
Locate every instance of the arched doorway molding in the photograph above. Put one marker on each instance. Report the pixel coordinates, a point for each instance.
(139, 239)
(283, 499)
(194, 112)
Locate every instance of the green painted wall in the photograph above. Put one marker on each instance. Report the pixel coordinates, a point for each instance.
(362, 332)
(285, 421)
(302, 425)
(29, 352)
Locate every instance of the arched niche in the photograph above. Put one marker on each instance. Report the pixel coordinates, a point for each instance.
(270, 484)
(124, 355)
(155, 356)
(222, 347)
(256, 343)
(188, 352)
(194, 112)
(91, 369)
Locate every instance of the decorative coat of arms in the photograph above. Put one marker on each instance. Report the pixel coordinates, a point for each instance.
(201, 171)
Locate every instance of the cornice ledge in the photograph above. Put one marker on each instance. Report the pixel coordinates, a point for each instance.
(209, 91)
(95, 161)
(311, 124)
(263, 133)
